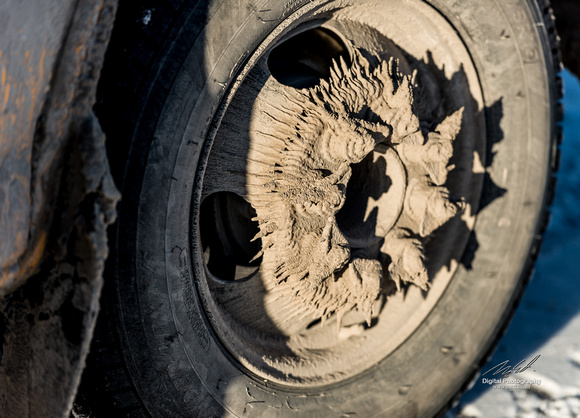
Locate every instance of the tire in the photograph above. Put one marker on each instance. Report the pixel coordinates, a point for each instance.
(178, 75)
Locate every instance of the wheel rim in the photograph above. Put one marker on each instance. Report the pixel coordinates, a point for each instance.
(279, 339)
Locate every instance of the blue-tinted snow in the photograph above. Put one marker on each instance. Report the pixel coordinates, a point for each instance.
(547, 321)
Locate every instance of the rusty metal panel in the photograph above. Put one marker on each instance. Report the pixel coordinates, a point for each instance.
(31, 35)
(56, 198)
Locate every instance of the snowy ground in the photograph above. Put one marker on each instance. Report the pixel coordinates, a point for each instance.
(547, 322)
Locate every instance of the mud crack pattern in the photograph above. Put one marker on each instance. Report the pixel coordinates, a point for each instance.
(298, 170)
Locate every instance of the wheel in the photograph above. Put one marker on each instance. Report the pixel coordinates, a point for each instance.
(329, 208)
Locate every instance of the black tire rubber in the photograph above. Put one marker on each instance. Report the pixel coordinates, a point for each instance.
(145, 362)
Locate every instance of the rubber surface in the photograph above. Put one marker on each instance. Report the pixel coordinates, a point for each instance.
(155, 354)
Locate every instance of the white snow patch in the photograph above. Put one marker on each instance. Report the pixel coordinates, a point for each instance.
(469, 411)
(574, 404)
(549, 388)
(575, 358)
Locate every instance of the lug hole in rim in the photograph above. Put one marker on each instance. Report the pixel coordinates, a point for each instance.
(227, 231)
(304, 59)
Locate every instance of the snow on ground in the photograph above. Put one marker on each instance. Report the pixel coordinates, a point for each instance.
(547, 322)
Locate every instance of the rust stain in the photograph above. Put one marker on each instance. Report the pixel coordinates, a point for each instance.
(36, 89)
(35, 84)
(27, 63)
(6, 94)
(35, 256)
(3, 78)
(41, 64)
(26, 266)
(19, 100)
